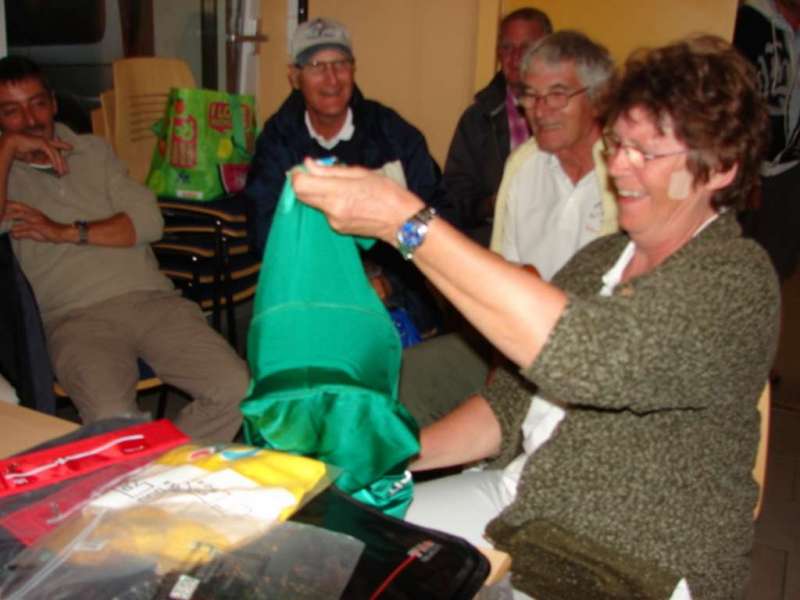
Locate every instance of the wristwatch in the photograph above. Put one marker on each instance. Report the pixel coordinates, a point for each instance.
(83, 232)
(412, 233)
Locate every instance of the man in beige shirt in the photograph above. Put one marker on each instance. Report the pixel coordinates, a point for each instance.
(81, 230)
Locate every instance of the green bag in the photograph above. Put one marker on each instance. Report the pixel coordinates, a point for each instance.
(325, 359)
(205, 143)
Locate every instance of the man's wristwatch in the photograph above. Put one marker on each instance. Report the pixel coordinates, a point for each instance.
(83, 232)
(412, 233)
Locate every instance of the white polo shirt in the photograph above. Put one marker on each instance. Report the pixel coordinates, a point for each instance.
(548, 218)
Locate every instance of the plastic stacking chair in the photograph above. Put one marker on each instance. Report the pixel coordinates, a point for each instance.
(760, 467)
(108, 113)
(205, 253)
(98, 122)
(141, 88)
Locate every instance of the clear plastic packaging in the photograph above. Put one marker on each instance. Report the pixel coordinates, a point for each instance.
(197, 519)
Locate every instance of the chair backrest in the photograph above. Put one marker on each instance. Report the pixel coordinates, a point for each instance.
(103, 117)
(141, 88)
(98, 122)
(760, 467)
(108, 109)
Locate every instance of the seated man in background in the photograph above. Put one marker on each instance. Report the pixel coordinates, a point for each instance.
(551, 201)
(326, 115)
(81, 229)
(491, 127)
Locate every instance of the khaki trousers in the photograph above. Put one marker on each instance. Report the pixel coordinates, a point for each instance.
(94, 352)
(439, 374)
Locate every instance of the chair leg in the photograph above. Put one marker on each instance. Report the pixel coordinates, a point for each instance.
(161, 407)
(219, 278)
(227, 279)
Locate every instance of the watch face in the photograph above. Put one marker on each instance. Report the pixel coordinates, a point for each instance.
(411, 233)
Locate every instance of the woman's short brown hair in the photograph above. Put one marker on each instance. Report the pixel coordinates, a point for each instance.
(708, 92)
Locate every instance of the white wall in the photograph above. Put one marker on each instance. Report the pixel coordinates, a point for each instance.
(177, 32)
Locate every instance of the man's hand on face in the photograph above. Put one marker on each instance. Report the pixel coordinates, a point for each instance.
(29, 223)
(36, 150)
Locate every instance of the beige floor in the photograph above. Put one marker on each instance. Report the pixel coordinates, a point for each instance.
(776, 555)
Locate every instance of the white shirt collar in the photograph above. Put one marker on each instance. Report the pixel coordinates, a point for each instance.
(613, 276)
(344, 134)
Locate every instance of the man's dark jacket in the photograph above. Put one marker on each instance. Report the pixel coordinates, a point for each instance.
(477, 154)
(381, 136)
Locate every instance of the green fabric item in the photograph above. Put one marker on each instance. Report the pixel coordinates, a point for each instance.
(325, 359)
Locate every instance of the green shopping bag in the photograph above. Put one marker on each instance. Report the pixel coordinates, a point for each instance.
(325, 358)
(205, 142)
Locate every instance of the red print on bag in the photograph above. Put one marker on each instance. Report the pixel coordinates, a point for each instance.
(184, 142)
(219, 116)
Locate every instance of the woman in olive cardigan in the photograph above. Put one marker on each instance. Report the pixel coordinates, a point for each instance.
(656, 342)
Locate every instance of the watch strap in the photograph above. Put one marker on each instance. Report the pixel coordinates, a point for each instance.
(83, 232)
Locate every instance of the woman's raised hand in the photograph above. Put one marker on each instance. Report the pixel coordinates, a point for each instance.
(355, 200)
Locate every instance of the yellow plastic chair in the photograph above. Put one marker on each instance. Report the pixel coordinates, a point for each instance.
(103, 117)
(141, 88)
(760, 467)
(98, 122)
(108, 113)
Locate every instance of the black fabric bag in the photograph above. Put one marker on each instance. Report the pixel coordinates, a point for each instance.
(448, 568)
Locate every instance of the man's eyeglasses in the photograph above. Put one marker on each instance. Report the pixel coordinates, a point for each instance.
(553, 100)
(318, 67)
(637, 157)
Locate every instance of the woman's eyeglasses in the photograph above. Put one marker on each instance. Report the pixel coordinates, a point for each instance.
(637, 157)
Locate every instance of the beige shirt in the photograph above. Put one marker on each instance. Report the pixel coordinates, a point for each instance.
(65, 277)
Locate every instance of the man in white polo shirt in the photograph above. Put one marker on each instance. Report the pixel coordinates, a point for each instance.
(551, 201)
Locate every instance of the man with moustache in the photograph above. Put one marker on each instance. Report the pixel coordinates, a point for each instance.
(81, 230)
(551, 201)
(491, 128)
(326, 115)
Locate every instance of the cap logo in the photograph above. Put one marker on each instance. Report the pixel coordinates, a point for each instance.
(316, 33)
(321, 29)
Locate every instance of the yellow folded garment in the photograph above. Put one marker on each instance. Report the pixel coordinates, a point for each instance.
(189, 505)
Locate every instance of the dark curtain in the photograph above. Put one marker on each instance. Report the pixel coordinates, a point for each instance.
(54, 22)
(137, 27)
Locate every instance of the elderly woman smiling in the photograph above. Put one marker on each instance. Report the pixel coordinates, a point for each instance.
(656, 341)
